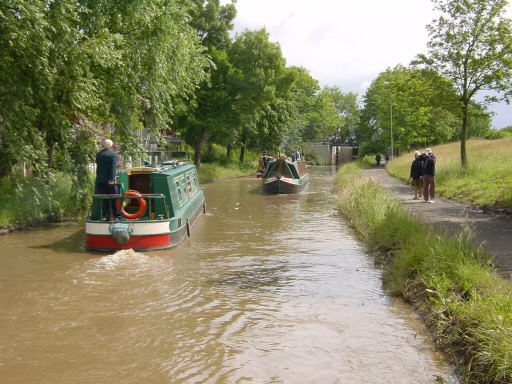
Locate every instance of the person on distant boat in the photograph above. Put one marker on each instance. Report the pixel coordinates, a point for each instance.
(416, 175)
(106, 166)
(297, 155)
(377, 159)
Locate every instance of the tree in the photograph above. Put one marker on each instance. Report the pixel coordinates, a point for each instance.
(424, 106)
(160, 59)
(300, 100)
(471, 44)
(66, 63)
(205, 115)
(324, 120)
(258, 66)
(348, 110)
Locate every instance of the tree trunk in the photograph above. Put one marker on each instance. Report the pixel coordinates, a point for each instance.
(242, 149)
(463, 134)
(228, 151)
(197, 149)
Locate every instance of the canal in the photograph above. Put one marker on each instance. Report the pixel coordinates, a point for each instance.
(269, 289)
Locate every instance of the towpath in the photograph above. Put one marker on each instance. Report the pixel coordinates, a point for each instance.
(494, 232)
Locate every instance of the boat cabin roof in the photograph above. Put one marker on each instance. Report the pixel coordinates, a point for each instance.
(169, 168)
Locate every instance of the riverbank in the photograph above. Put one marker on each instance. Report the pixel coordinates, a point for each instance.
(32, 204)
(486, 183)
(213, 171)
(466, 304)
(490, 231)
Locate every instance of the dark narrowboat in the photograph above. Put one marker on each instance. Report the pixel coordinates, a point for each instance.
(284, 176)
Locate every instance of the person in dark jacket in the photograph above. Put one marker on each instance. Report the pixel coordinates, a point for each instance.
(106, 166)
(429, 172)
(377, 159)
(416, 176)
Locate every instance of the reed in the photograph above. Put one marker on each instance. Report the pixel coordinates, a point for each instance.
(467, 306)
(486, 181)
(32, 201)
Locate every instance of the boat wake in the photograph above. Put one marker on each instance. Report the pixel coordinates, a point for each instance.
(122, 258)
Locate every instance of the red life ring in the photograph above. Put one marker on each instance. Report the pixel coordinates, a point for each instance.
(140, 211)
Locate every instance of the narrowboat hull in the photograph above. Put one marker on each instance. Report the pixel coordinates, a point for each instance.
(146, 236)
(283, 176)
(285, 186)
(158, 209)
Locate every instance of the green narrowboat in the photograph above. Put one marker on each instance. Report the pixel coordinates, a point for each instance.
(284, 176)
(158, 206)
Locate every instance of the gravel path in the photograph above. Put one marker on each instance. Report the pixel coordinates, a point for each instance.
(494, 232)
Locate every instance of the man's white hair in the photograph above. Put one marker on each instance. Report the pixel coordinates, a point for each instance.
(417, 153)
(108, 144)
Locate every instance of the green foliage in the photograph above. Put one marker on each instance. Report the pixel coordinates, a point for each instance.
(66, 66)
(298, 103)
(258, 72)
(371, 148)
(347, 109)
(33, 201)
(467, 305)
(494, 135)
(314, 158)
(206, 115)
(424, 106)
(471, 44)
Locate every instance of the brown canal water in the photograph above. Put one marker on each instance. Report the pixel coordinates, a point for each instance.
(269, 289)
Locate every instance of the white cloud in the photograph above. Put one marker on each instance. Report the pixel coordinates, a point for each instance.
(342, 42)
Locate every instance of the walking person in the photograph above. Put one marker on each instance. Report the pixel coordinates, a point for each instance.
(429, 172)
(377, 159)
(416, 176)
(106, 166)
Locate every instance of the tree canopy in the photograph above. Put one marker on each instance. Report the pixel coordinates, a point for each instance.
(471, 44)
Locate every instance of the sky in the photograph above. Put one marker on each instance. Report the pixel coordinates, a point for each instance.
(347, 42)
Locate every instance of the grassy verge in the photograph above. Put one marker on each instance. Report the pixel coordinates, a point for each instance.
(487, 181)
(33, 202)
(467, 306)
(212, 171)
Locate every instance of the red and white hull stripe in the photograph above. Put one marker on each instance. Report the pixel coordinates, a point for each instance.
(144, 236)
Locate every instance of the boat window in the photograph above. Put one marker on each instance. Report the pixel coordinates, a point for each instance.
(184, 187)
(178, 189)
(283, 169)
(189, 184)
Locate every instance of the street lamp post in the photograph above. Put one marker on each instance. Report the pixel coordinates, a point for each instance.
(390, 113)
(391, 117)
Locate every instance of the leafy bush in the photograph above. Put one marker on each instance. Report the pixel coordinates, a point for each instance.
(314, 158)
(371, 148)
(494, 135)
(33, 201)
